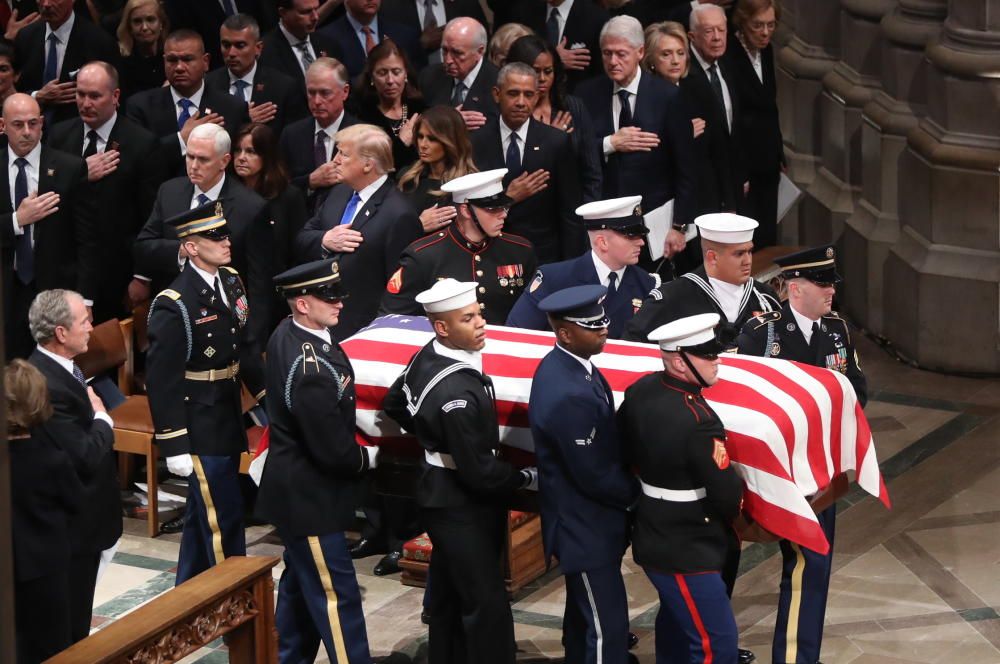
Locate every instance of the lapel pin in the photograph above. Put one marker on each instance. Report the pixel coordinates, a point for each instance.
(260, 87)
(50, 172)
(535, 148)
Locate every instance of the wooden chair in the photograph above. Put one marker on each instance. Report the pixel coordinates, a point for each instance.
(111, 347)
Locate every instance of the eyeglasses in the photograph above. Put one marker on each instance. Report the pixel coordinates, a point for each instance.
(760, 26)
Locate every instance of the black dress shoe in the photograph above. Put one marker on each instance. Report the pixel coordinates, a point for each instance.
(365, 547)
(175, 525)
(633, 640)
(745, 656)
(425, 617)
(388, 565)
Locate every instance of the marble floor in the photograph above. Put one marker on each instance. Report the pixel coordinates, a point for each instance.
(919, 583)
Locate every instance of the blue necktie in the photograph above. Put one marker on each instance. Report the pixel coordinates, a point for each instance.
(352, 205)
(513, 157)
(241, 90)
(24, 255)
(202, 199)
(613, 283)
(78, 374)
(185, 114)
(51, 60)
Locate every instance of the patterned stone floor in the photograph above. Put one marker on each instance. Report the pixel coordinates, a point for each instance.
(919, 583)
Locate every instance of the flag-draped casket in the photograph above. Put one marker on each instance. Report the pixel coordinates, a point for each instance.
(791, 428)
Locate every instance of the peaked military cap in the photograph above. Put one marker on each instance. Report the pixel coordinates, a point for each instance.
(816, 264)
(696, 335)
(318, 278)
(583, 305)
(206, 220)
(484, 190)
(623, 215)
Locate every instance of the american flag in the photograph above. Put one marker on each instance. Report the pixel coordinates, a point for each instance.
(791, 428)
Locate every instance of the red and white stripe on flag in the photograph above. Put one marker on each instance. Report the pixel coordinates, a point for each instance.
(791, 427)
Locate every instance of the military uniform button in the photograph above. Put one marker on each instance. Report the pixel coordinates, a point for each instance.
(482, 290)
(234, 346)
(233, 330)
(706, 519)
(477, 258)
(209, 335)
(479, 273)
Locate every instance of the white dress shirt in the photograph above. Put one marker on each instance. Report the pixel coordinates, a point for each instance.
(729, 296)
(248, 79)
(62, 34)
(564, 10)
(437, 7)
(604, 272)
(103, 133)
(616, 105)
(725, 88)
(209, 279)
(359, 30)
(805, 324)
(195, 100)
(31, 171)
(471, 78)
(68, 366)
(213, 192)
(295, 41)
(330, 130)
(505, 134)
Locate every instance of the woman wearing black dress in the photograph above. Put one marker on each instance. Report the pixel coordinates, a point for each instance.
(141, 32)
(386, 96)
(750, 57)
(45, 493)
(444, 153)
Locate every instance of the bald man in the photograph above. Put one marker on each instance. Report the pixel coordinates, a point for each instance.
(465, 77)
(48, 225)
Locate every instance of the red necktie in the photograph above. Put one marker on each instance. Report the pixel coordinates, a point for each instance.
(369, 39)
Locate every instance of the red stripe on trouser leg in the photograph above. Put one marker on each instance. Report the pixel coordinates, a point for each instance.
(706, 643)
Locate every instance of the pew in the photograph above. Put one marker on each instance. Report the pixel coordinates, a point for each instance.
(234, 599)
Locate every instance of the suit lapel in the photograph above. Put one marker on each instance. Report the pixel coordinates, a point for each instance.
(73, 47)
(370, 208)
(533, 148)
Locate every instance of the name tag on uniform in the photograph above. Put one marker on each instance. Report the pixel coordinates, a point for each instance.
(206, 319)
(452, 405)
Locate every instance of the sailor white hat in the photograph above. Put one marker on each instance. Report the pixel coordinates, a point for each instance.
(686, 333)
(478, 187)
(447, 295)
(726, 227)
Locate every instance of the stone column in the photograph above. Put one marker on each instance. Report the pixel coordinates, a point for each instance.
(944, 271)
(847, 87)
(889, 115)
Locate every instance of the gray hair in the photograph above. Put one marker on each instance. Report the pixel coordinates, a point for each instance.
(331, 65)
(515, 69)
(698, 10)
(50, 309)
(623, 27)
(215, 133)
(241, 22)
(470, 25)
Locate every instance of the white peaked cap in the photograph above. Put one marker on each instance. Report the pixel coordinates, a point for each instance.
(475, 185)
(685, 332)
(447, 295)
(612, 208)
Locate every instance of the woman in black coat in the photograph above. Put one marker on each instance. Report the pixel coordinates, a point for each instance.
(750, 56)
(45, 493)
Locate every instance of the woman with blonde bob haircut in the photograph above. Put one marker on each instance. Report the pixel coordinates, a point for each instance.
(141, 33)
(668, 54)
(45, 493)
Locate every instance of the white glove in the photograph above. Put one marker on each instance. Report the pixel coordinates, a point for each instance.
(181, 465)
(530, 475)
(372, 457)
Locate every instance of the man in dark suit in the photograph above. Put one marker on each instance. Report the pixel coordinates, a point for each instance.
(465, 77)
(172, 112)
(646, 138)
(709, 96)
(159, 255)
(365, 222)
(616, 237)
(81, 427)
(362, 27)
(573, 28)
(309, 145)
(272, 96)
(525, 146)
(205, 16)
(124, 173)
(48, 234)
(588, 490)
(51, 51)
(430, 24)
(294, 44)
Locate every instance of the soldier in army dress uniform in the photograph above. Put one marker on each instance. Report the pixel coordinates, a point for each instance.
(197, 358)
(691, 494)
(617, 235)
(806, 330)
(472, 248)
(446, 401)
(312, 477)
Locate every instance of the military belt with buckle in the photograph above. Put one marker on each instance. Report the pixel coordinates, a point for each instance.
(213, 375)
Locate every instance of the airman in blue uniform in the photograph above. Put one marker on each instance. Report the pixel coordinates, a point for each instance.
(585, 489)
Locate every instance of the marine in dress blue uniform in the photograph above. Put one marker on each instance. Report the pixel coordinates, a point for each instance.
(690, 494)
(585, 489)
(197, 358)
(473, 248)
(446, 401)
(805, 330)
(617, 234)
(311, 479)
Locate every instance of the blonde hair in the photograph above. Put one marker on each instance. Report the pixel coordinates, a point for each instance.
(506, 35)
(655, 32)
(124, 32)
(371, 142)
(27, 397)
